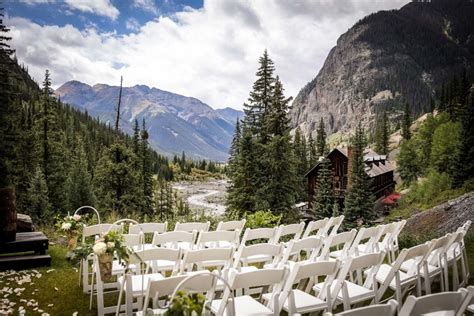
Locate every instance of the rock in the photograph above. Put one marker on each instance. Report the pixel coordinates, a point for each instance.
(24, 223)
(384, 60)
(442, 219)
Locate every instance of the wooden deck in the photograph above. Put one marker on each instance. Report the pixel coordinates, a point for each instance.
(27, 251)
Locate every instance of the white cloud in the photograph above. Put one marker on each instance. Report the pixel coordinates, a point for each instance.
(99, 7)
(210, 53)
(146, 5)
(132, 24)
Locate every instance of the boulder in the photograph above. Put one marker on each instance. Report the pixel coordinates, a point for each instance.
(24, 223)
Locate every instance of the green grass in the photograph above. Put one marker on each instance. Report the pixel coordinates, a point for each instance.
(59, 287)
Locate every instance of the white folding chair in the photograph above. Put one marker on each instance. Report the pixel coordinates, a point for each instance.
(219, 258)
(445, 303)
(175, 239)
(389, 309)
(231, 225)
(435, 262)
(358, 288)
(148, 228)
(161, 260)
(218, 239)
(135, 285)
(294, 230)
(132, 241)
(257, 254)
(390, 276)
(311, 246)
(334, 225)
(457, 254)
(92, 231)
(342, 242)
(100, 289)
(299, 300)
(261, 234)
(468, 303)
(371, 236)
(264, 279)
(164, 289)
(319, 228)
(389, 242)
(193, 226)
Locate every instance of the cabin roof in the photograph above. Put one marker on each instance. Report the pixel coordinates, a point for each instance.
(370, 157)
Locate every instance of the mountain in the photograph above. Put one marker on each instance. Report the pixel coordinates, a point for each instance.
(230, 115)
(386, 59)
(175, 123)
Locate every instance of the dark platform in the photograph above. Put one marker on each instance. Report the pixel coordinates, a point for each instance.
(27, 251)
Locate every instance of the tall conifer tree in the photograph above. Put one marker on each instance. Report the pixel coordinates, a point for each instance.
(323, 202)
(406, 123)
(382, 136)
(321, 135)
(358, 203)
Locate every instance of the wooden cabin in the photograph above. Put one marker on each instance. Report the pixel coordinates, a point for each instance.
(379, 169)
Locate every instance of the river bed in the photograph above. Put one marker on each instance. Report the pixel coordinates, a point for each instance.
(209, 196)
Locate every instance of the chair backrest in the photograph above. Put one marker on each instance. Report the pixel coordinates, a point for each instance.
(311, 245)
(310, 271)
(292, 229)
(265, 250)
(320, 227)
(343, 240)
(419, 253)
(172, 239)
(131, 240)
(98, 229)
(369, 262)
(439, 249)
(388, 309)
(216, 257)
(231, 225)
(370, 235)
(165, 287)
(150, 256)
(335, 224)
(214, 239)
(259, 233)
(262, 278)
(387, 235)
(468, 302)
(148, 228)
(446, 301)
(189, 227)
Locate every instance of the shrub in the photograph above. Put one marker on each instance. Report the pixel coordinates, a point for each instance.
(261, 219)
(429, 189)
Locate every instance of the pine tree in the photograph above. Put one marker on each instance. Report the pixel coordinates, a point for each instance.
(260, 97)
(8, 117)
(464, 161)
(136, 139)
(406, 123)
(382, 136)
(80, 181)
(313, 155)
(321, 148)
(116, 181)
(301, 156)
(278, 191)
(358, 203)
(323, 202)
(408, 162)
(38, 205)
(234, 149)
(146, 176)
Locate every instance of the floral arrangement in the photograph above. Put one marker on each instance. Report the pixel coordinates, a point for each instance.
(111, 243)
(186, 304)
(71, 224)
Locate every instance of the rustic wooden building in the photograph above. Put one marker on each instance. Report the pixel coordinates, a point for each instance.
(379, 169)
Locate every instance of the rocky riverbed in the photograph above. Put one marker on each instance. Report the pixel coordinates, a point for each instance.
(209, 196)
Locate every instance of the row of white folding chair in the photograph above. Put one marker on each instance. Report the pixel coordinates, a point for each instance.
(323, 227)
(195, 240)
(457, 254)
(445, 303)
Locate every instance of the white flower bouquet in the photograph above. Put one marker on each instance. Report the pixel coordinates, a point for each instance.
(105, 248)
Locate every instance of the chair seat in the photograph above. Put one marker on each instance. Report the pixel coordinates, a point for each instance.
(118, 268)
(156, 311)
(356, 292)
(406, 265)
(335, 254)
(383, 272)
(140, 282)
(304, 302)
(163, 265)
(244, 305)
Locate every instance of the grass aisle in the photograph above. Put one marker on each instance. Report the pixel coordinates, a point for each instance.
(52, 290)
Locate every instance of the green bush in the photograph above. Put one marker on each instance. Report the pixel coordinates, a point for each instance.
(261, 219)
(429, 189)
(184, 304)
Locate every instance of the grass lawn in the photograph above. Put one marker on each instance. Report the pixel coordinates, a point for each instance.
(57, 292)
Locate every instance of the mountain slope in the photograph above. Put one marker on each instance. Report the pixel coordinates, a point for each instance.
(175, 123)
(386, 59)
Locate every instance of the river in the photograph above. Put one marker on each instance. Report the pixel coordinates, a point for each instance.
(208, 196)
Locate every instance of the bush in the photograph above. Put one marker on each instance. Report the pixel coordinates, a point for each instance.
(261, 219)
(429, 189)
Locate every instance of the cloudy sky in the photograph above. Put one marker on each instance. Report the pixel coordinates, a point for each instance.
(207, 50)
